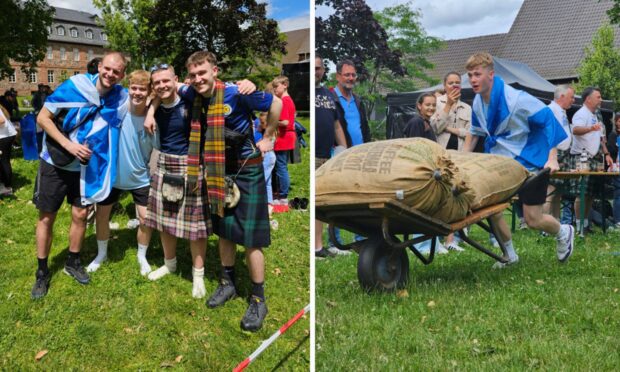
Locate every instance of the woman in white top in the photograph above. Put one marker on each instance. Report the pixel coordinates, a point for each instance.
(452, 117)
(451, 123)
(7, 136)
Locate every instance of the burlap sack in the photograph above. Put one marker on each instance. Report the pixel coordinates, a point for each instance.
(413, 170)
(493, 178)
(458, 204)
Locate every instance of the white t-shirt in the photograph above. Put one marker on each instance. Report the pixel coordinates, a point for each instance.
(560, 115)
(7, 129)
(590, 141)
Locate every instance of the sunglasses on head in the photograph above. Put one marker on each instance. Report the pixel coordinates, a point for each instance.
(160, 66)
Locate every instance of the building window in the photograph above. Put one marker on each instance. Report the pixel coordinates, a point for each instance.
(32, 78)
(60, 31)
(89, 34)
(49, 30)
(90, 55)
(50, 53)
(76, 54)
(74, 32)
(50, 76)
(13, 77)
(76, 72)
(63, 55)
(104, 37)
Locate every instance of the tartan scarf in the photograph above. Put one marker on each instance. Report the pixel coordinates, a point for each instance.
(213, 151)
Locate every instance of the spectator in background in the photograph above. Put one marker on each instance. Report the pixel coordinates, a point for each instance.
(7, 136)
(588, 136)
(93, 65)
(38, 98)
(563, 99)
(328, 133)
(285, 140)
(420, 124)
(612, 145)
(269, 157)
(9, 101)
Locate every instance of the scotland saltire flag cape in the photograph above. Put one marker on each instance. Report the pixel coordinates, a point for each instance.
(516, 125)
(102, 118)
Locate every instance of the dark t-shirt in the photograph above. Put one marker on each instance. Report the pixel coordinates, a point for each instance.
(238, 111)
(173, 125)
(325, 114)
(415, 128)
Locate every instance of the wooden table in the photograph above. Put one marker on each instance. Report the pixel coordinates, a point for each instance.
(582, 190)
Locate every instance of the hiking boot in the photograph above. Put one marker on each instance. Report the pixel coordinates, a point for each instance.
(78, 273)
(565, 242)
(255, 314)
(41, 285)
(225, 291)
(323, 253)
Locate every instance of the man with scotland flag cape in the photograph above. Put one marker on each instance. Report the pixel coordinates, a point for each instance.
(517, 125)
(93, 108)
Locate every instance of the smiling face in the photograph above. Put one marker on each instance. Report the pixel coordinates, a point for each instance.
(594, 101)
(164, 84)
(347, 77)
(203, 77)
(481, 80)
(111, 70)
(138, 93)
(566, 100)
(427, 107)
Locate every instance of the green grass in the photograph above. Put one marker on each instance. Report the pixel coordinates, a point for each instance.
(122, 321)
(538, 314)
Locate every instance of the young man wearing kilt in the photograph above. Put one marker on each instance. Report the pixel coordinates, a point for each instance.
(248, 222)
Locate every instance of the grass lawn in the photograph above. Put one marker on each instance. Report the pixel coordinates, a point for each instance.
(122, 321)
(459, 314)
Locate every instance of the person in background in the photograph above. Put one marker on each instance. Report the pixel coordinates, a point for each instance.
(613, 140)
(420, 124)
(269, 157)
(7, 136)
(286, 138)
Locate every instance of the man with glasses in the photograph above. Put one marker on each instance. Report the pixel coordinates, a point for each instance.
(352, 116)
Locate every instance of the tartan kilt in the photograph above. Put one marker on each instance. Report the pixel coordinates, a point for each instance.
(562, 186)
(592, 182)
(246, 224)
(186, 219)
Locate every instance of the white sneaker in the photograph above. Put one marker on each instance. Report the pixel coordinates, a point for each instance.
(565, 242)
(501, 265)
(493, 241)
(338, 252)
(453, 246)
(440, 249)
(523, 225)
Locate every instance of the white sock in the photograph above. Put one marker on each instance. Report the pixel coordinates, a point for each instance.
(198, 291)
(510, 250)
(170, 266)
(102, 255)
(586, 223)
(145, 268)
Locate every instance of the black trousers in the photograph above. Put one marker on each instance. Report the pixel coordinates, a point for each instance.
(6, 172)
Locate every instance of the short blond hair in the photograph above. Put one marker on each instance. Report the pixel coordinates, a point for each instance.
(120, 56)
(483, 59)
(279, 80)
(200, 57)
(141, 77)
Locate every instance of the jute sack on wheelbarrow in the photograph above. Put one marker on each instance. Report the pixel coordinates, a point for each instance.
(493, 178)
(416, 171)
(458, 204)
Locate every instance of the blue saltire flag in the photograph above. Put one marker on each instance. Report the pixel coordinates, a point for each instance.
(102, 118)
(516, 125)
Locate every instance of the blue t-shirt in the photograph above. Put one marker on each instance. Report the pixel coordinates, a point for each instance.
(173, 124)
(238, 111)
(258, 135)
(352, 117)
(134, 151)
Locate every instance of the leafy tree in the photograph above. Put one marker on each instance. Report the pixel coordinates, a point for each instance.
(614, 12)
(353, 32)
(23, 34)
(601, 65)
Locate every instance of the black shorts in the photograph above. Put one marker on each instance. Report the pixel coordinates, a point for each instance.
(535, 193)
(53, 185)
(140, 196)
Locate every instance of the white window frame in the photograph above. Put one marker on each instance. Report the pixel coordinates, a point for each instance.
(73, 31)
(104, 36)
(76, 55)
(50, 76)
(88, 33)
(60, 31)
(13, 77)
(63, 54)
(91, 55)
(33, 78)
(50, 53)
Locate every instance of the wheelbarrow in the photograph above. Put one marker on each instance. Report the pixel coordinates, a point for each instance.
(383, 263)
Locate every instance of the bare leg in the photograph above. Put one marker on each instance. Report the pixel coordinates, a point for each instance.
(77, 228)
(227, 250)
(318, 235)
(102, 219)
(45, 233)
(535, 219)
(256, 264)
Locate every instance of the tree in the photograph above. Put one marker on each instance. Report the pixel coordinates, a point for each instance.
(601, 65)
(614, 12)
(24, 34)
(233, 30)
(353, 32)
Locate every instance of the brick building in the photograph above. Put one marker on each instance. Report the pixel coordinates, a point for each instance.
(74, 39)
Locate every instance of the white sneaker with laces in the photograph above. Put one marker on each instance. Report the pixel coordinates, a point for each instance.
(440, 249)
(338, 252)
(453, 246)
(565, 241)
(501, 265)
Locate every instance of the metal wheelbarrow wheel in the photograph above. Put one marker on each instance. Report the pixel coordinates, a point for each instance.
(381, 268)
